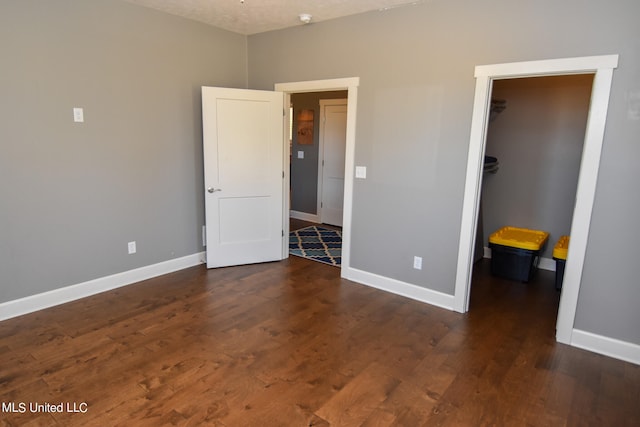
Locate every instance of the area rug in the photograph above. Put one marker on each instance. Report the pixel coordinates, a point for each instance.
(318, 244)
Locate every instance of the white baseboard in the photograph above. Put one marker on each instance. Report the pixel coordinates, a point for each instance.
(397, 287)
(611, 347)
(81, 290)
(304, 216)
(487, 252)
(548, 264)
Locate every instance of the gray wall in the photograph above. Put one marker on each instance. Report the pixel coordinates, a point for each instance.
(538, 140)
(415, 100)
(72, 194)
(304, 172)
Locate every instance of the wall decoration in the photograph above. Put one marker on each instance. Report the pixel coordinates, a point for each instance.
(304, 128)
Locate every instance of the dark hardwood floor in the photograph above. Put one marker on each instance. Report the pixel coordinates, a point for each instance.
(291, 344)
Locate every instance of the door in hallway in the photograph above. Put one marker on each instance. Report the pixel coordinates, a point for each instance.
(333, 128)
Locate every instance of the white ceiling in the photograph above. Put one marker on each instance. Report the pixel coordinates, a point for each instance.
(257, 16)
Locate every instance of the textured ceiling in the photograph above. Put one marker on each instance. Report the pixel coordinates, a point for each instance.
(257, 16)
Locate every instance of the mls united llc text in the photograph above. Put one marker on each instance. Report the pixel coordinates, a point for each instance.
(37, 407)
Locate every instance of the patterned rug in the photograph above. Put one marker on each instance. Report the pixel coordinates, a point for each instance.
(318, 244)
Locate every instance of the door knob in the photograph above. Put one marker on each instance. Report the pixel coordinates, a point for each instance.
(213, 190)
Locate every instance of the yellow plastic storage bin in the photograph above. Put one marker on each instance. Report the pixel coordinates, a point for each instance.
(521, 238)
(561, 248)
(560, 255)
(515, 252)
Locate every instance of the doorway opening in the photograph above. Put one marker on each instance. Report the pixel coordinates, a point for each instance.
(317, 168)
(318, 144)
(350, 85)
(602, 68)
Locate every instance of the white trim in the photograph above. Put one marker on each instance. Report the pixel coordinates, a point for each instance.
(585, 195)
(487, 252)
(602, 67)
(349, 167)
(318, 85)
(398, 287)
(548, 264)
(81, 290)
(351, 85)
(580, 65)
(286, 175)
(471, 199)
(304, 216)
(611, 347)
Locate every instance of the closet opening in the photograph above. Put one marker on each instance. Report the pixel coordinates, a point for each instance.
(534, 144)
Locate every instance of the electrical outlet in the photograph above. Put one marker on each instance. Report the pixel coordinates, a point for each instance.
(78, 115)
(132, 247)
(417, 262)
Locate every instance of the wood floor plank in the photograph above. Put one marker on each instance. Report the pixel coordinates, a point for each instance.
(360, 397)
(406, 405)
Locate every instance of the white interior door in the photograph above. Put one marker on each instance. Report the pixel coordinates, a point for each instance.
(243, 175)
(333, 137)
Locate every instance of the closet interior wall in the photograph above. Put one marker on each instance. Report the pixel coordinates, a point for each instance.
(538, 140)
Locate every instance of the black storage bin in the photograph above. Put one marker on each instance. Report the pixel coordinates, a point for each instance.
(559, 272)
(560, 251)
(513, 263)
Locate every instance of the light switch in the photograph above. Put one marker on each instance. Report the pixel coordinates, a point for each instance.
(301, 154)
(78, 115)
(361, 172)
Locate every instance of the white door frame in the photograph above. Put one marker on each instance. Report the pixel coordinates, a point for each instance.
(349, 84)
(323, 103)
(602, 68)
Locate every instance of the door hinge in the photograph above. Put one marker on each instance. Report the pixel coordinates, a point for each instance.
(282, 174)
(282, 233)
